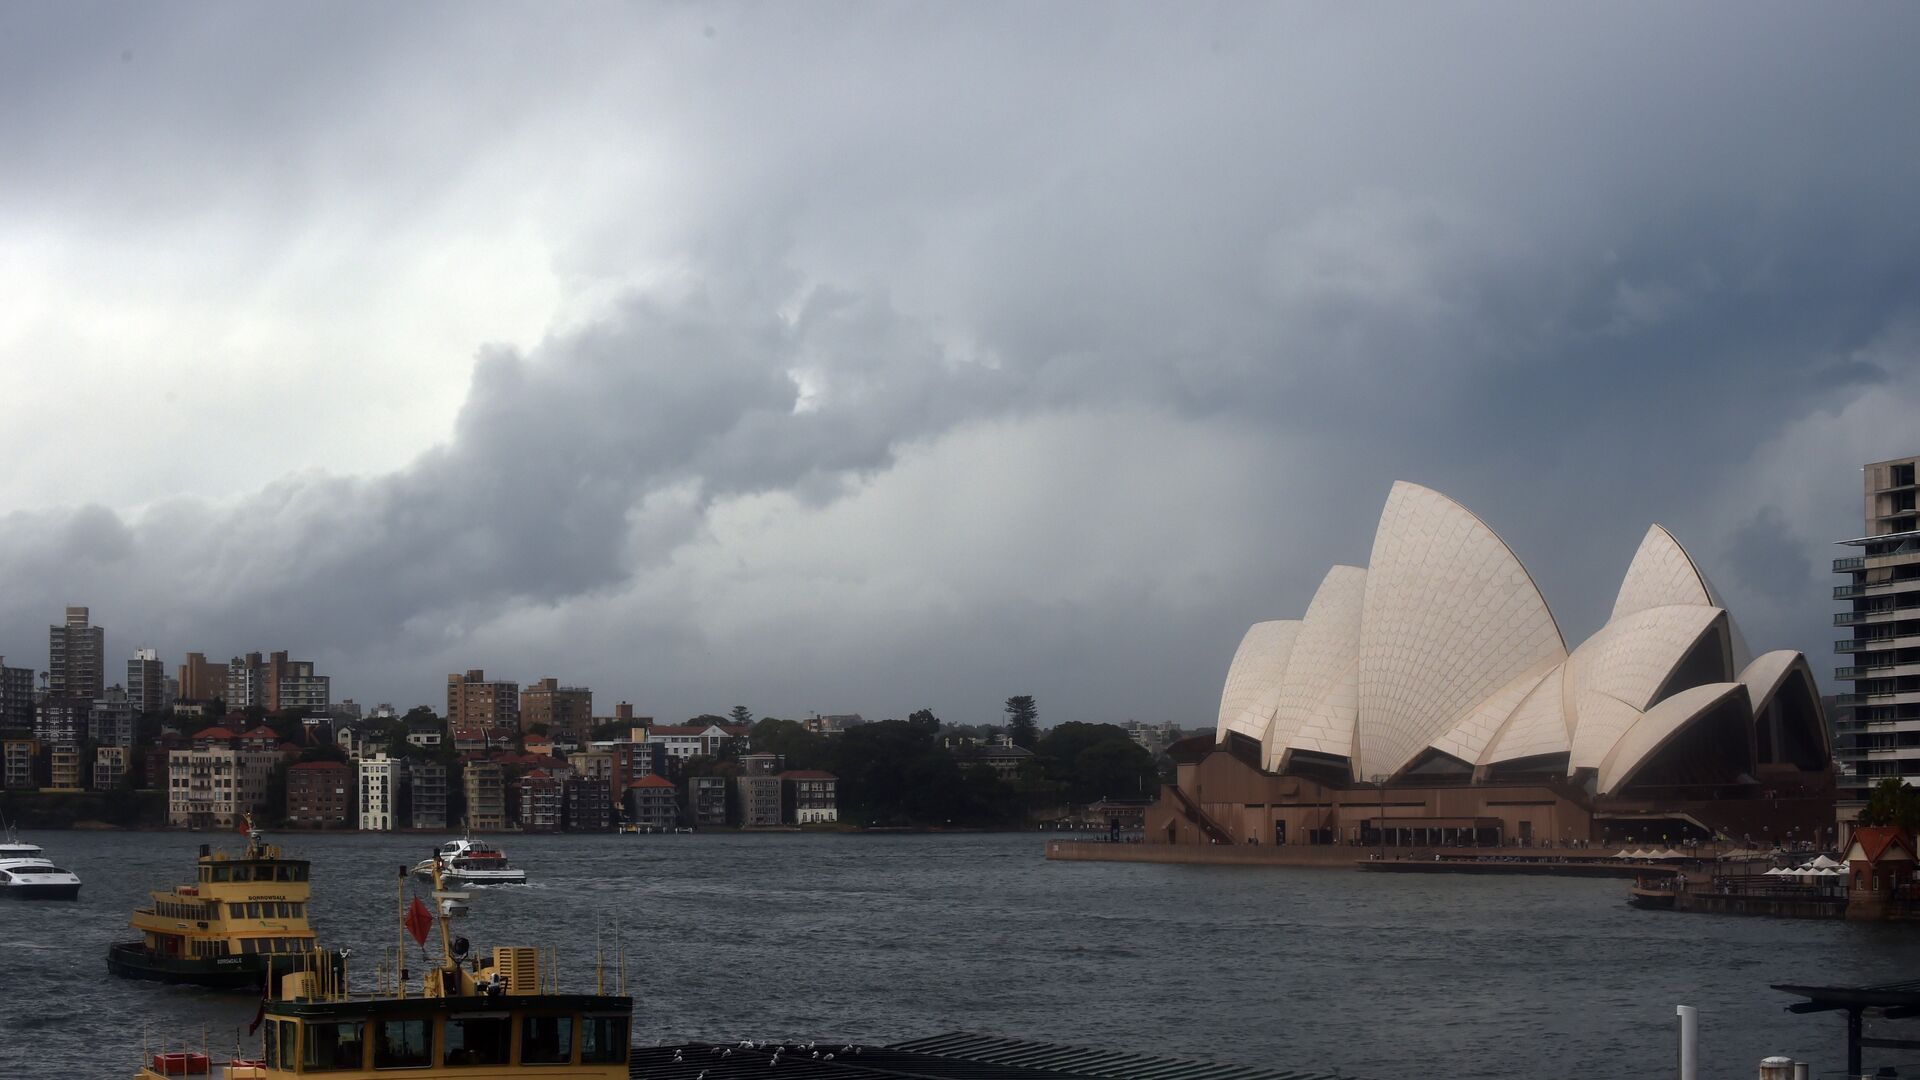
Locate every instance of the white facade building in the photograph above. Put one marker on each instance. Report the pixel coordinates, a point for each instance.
(379, 793)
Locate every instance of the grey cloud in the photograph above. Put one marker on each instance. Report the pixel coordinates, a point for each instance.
(1576, 270)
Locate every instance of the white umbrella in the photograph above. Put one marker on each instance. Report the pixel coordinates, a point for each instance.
(1670, 853)
(1824, 863)
(1832, 871)
(1622, 854)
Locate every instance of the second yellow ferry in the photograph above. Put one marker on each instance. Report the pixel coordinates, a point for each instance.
(241, 917)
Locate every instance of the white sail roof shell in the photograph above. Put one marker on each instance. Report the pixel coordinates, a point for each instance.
(1323, 653)
(1258, 666)
(1449, 617)
(1443, 643)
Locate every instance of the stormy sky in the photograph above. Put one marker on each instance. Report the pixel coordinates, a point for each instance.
(863, 358)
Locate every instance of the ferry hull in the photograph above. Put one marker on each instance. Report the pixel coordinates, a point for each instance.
(63, 891)
(133, 960)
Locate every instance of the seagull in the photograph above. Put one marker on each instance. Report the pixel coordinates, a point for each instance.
(676, 1056)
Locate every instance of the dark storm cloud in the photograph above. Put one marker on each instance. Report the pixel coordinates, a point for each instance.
(1577, 270)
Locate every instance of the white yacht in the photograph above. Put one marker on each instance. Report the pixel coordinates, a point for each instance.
(26, 875)
(467, 861)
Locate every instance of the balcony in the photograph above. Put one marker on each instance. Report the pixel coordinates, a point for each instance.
(1854, 645)
(1852, 562)
(1842, 592)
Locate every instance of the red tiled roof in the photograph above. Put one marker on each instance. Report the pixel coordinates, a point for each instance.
(651, 781)
(1876, 840)
(539, 774)
(262, 730)
(807, 774)
(214, 733)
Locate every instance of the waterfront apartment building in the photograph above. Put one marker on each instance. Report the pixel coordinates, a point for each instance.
(110, 767)
(759, 799)
(473, 700)
(76, 657)
(707, 801)
(202, 681)
(246, 682)
(212, 784)
(653, 803)
(811, 796)
(147, 682)
(19, 763)
(64, 768)
(16, 697)
(1878, 719)
(486, 790)
(560, 708)
(589, 804)
(427, 795)
(541, 801)
(379, 803)
(320, 795)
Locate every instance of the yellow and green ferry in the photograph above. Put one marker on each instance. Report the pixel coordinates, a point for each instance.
(241, 918)
(477, 1018)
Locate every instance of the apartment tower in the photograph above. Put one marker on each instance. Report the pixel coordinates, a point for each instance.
(1878, 722)
(76, 657)
(475, 701)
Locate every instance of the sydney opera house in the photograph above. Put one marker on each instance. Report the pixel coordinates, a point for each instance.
(1429, 699)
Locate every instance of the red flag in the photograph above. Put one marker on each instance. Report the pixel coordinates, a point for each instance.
(419, 921)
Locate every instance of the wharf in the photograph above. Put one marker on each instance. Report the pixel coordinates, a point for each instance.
(1556, 862)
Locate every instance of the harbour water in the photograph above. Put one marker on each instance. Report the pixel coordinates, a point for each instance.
(879, 938)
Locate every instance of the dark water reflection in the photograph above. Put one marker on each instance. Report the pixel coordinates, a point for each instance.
(876, 938)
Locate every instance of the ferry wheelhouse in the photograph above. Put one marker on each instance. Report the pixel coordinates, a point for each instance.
(241, 918)
(504, 1015)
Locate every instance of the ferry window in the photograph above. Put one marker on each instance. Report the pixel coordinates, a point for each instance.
(206, 873)
(477, 1040)
(270, 1048)
(222, 873)
(247, 945)
(234, 911)
(403, 1044)
(288, 1033)
(333, 1046)
(546, 1040)
(603, 1040)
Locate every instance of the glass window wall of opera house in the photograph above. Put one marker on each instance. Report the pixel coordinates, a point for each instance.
(1429, 700)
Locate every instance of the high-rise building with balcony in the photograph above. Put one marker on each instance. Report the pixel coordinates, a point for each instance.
(1878, 721)
(76, 657)
(147, 682)
(475, 701)
(16, 697)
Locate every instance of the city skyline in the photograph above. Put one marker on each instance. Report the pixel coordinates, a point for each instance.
(813, 361)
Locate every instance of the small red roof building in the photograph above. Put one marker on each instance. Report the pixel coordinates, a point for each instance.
(652, 781)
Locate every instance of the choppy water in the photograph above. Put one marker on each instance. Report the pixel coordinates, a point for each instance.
(877, 938)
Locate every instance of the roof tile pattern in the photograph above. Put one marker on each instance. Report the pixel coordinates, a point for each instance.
(1474, 733)
(1450, 617)
(1258, 666)
(1660, 575)
(1538, 725)
(1322, 653)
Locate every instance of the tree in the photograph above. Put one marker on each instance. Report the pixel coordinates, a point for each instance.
(801, 748)
(1020, 720)
(740, 716)
(925, 718)
(1892, 802)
